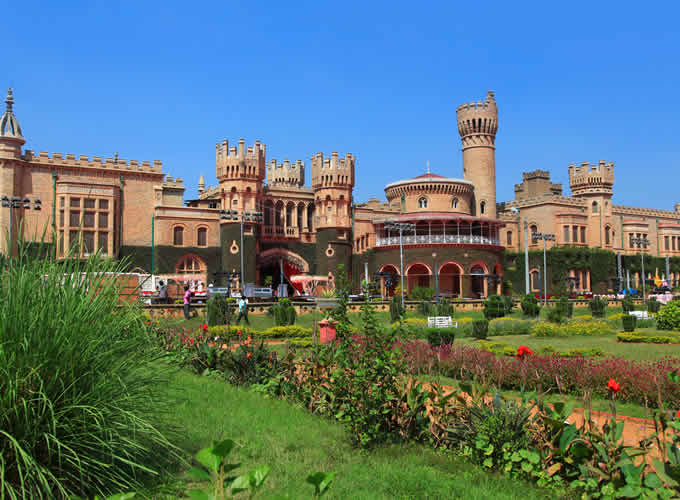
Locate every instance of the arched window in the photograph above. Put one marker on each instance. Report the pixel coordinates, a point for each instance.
(533, 230)
(454, 203)
(178, 236)
(607, 237)
(202, 237)
(422, 202)
(482, 208)
(535, 280)
(595, 207)
(509, 238)
(190, 264)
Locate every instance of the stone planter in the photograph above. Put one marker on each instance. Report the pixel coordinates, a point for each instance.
(327, 331)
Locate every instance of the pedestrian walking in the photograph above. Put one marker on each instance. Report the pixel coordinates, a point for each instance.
(242, 310)
(187, 301)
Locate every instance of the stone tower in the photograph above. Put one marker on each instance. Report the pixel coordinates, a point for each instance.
(332, 182)
(240, 173)
(286, 174)
(11, 141)
(477, 126)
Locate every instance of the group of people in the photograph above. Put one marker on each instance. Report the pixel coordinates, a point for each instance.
(242, 306)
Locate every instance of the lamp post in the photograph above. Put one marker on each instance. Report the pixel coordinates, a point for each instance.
(245, 216)
(515, 210)
(401, 227)
(545, 237)
(436, 276)
(642, 243)
(11, 204)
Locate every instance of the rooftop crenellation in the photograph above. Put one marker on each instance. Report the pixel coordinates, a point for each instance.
(69, 160)
(333, 171)
(286, 173)
(240, 162)
(591, 179)
(478, 118)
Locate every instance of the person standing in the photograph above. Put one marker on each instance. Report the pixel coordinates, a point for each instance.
(163, 293)
(242, 310)
(187, 301)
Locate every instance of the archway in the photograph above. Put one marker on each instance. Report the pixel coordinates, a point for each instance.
(389, 280)
(417, 274)
(450, 280)
(277, 263)
(478, 284)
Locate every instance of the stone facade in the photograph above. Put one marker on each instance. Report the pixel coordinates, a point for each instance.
(456, 233)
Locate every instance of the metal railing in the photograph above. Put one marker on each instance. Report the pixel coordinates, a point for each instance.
(420, 239)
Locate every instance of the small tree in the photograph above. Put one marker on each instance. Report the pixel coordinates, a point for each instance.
(284, 313)
(494, 307)
(530, 306)
(396, 309)
(627, 304)
(598, 307)
(480, 329)
(219, 310)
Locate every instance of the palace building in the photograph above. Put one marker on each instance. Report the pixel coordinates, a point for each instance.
(453, 233)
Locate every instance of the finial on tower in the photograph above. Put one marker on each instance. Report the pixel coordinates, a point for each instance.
(428, 166)
(9, 100)
(201, 184)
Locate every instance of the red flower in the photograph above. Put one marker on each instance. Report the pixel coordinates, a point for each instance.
(204, 327)
(613, 386)
(524, 351)
(677, 414)
(247, 341)
(250, 354)
(239, 332)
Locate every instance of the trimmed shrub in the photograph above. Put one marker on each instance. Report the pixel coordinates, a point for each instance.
(627, 304)
(509, 326)
(440, 336)
(643, 337)
(668, 317)
(530, 306)
(629, 323)
(566, 307)
(421, 293)
(598, 307)
(396, 309)
(220, 310)
(480, 329)
(494, 307)
(275, 332)
(653, 306)
(284, 313)
(571, 328)
(445, 308)
(426, 308)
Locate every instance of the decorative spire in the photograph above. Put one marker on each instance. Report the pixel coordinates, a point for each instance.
(428, 166)
(201, 184)
(9, 125)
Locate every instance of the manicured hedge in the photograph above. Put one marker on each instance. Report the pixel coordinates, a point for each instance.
(646, 338)
(275, 332)
(571, 328)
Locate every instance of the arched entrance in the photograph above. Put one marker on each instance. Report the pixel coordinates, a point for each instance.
(276, 264)
(389, 280)
(478, 284)
(450, 280)
(417, 274)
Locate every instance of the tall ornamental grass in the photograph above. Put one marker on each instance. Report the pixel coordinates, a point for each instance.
(81, 405)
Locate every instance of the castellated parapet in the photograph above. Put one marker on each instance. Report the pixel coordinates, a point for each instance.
(71, 160)
(332, 172)
(536, 183)
(240, 162)
(286, 173)
(588, 179)
(478, 121)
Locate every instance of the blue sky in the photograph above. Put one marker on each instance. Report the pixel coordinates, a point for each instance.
(574, 81)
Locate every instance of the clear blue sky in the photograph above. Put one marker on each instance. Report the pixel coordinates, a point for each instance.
(574, 81)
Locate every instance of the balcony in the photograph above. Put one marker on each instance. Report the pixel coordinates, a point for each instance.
(433, 239)
(277, 232)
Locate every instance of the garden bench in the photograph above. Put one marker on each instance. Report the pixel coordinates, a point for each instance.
(640, 314)
(441, 322)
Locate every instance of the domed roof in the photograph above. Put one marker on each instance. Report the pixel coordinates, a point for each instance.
(9, 125)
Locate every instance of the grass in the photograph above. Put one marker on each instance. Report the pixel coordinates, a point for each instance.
(608, 343)
(296, 443)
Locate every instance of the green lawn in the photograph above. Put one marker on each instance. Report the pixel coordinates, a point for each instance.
(607, 343)
(296, 443)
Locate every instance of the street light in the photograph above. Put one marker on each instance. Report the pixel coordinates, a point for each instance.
(642, 243)
(245, 216)
(17, 202)
(515, 211)
(401, 227)
(436, 276)
(545, 237)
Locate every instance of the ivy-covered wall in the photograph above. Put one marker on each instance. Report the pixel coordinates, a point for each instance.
(167, 257)
(230, 234)
(341, 251)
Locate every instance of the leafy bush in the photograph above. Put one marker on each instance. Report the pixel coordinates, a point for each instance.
(530, 306)
(627, 304)
(81, 394)
(571, 328)
(555, 315)
(445, 308)
(220, 310)
(275, 332)
(396, 309)
(426, 308)
(284, 313)
(668, 317)
(509, 326)
(508, 303)
(646, 338)
(480, 329)
(598, 307)
(653, 306)
(250, 364)
(439, 336)
(421, 293)
(494, 307)
(628, 323)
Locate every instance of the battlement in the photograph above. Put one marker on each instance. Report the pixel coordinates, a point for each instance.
(173, 183)
(478, 118)
(240, 162)
(589, 179)
(333, 171)
(536, 174)
(286, 173)
(70, 160)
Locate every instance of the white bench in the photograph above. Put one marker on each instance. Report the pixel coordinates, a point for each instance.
(441, 322)
(640, 314)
